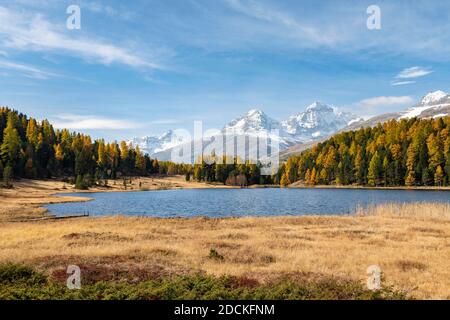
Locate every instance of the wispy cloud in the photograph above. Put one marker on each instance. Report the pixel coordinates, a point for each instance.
(163, 121)
(292, 26)
(334, 25)
(78, 122)
(401, 83)
(98, 7)
(413, 72)
(385, 101)
(27, 70)
(405, 76)
(25, 31)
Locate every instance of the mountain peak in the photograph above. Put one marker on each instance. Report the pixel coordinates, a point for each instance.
(253, 120)
(255, 111)
(318, 106)
(318, 119)
(433, 97)
(166, 135)
(256, 114)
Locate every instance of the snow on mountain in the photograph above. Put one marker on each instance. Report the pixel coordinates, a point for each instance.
(256, 123)
(433, 104)
(253, 122)
(433, 98)
(155, 144)
(318, 120)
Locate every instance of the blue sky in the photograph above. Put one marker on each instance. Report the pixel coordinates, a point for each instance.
(144, 66)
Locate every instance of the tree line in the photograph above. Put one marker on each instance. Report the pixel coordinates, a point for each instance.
(408, 152)
(34, 150)
(229, 171)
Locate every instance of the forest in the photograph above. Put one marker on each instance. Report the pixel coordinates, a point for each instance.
(408, 152)
(34, 150)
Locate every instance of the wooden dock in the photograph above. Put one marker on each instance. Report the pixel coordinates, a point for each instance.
(53, 217)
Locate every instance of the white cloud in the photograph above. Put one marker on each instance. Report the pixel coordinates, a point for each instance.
(23, 31)
(163, 122)
(28, 70)
(413, 72)
(77, 122)
(334, 25)
(98, 7)
(385, 101)
(291, 27)
(405, 76)
(401, 83)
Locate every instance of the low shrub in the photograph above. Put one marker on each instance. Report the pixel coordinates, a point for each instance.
(24, 283)
(20, 274)
(213, 254)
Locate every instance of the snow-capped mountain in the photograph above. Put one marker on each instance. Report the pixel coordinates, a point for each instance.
(155, 144)
(318, 120)
(254, 121)
(433, 98)
(316, 123)
(434, 104)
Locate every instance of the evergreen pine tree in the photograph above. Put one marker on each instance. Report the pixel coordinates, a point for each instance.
(374, 173)
(11, 146)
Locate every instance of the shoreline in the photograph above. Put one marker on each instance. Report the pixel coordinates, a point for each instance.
(27, 198)
(30, 196)
(326, 187)
(419, 188)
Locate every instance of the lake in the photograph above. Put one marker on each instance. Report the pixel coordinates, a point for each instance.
(239, 202)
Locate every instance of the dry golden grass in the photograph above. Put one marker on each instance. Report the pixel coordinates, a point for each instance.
(411, 244)
(409, 210)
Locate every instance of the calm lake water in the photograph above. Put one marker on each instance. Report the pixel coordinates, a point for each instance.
(240, 202)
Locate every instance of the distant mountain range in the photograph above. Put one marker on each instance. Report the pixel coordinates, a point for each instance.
(299, 131)
(317, 121)
(433, 105)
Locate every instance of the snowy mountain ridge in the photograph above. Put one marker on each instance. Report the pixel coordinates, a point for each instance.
(155, 144)
(317, 121)
(433, 104)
